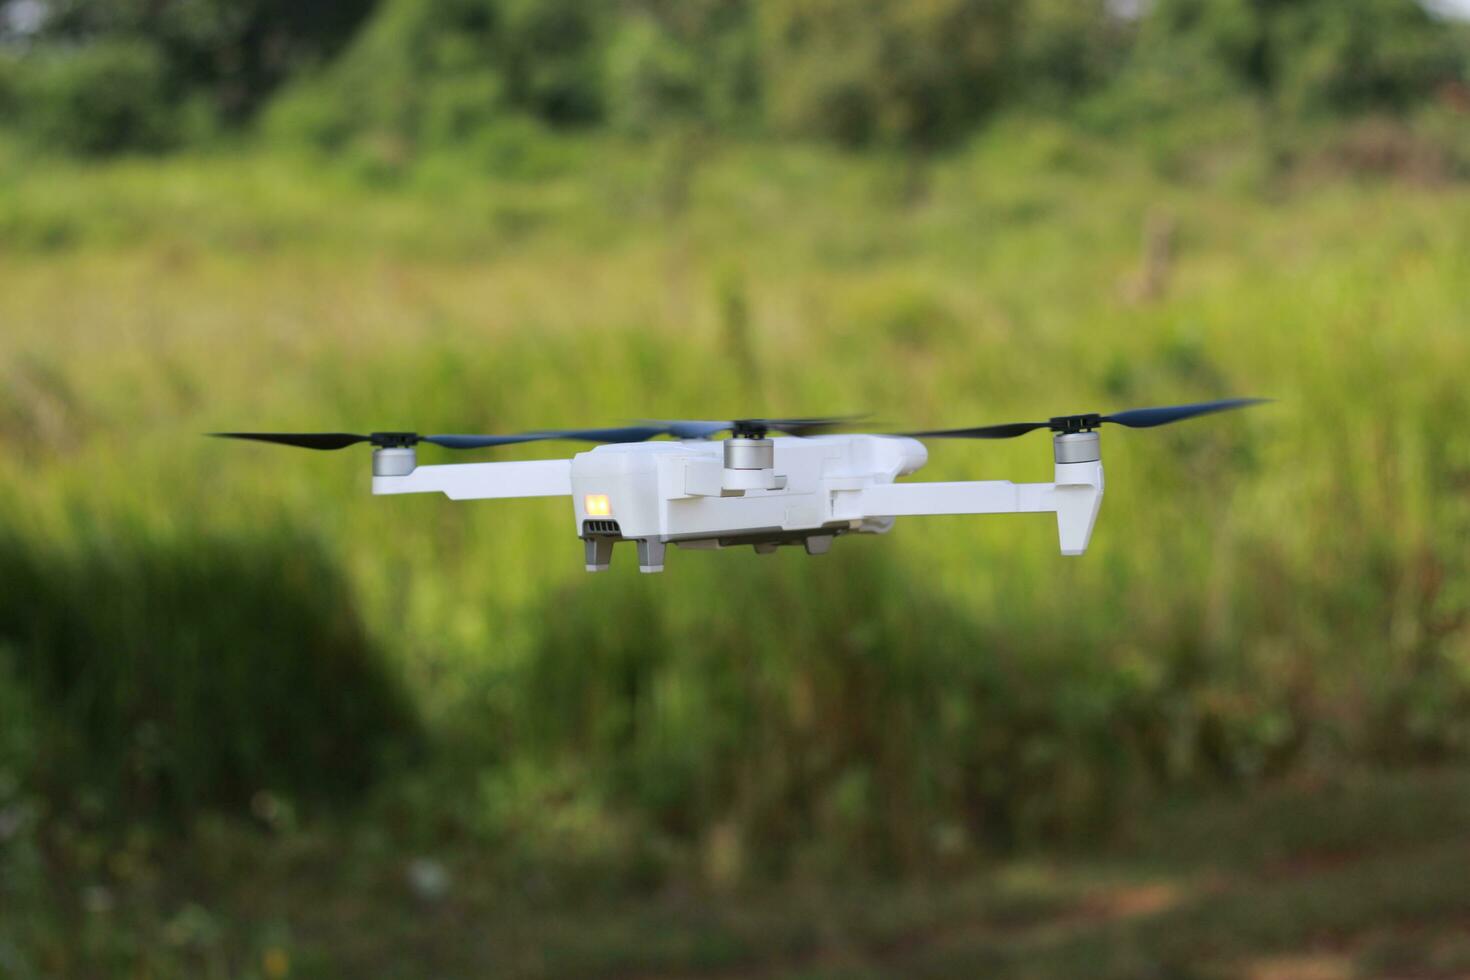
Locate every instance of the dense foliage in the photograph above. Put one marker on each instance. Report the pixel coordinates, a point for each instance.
(1267, 594)
(401, 75)
(167, 672)
(230, 53)
(515, 214)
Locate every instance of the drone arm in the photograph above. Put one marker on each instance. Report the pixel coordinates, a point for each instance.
(977, 497)
(1075, 498)
(483, 481)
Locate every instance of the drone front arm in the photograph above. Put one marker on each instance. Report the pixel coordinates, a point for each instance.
(483, 481)
(1075, 498)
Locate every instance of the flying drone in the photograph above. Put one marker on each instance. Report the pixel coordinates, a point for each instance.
(806, 486)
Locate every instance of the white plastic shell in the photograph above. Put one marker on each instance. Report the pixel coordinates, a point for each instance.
(815, 488)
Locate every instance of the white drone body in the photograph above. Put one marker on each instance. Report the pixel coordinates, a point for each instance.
(764, 492)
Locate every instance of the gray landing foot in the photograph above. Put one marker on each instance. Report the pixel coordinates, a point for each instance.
(819, 544)
(599, 553)
(650, 555)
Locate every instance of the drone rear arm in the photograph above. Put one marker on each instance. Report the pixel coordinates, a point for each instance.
(1075, 498)
(483, 481)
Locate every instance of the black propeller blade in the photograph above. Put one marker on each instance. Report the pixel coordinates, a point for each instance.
(1134, 418)
(626, 433)
(754, 428)
(306, 440)
(382, 440)
(631, 433)
(1147, 418)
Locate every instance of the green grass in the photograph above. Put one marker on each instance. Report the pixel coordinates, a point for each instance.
(1346, 879)
(1275, 594)
(185, 669)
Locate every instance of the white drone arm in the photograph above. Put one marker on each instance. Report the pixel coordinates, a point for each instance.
(1075, 498)
(483, 481)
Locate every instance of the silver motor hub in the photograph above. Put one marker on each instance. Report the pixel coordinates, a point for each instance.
(749, 454)
(1077, 447)
(397, 461)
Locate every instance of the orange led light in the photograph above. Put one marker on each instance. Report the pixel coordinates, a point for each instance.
(597, 505)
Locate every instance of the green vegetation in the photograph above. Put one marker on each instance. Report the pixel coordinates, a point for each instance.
(1344, 879)
(396, 78)
(899, 707)
(179, 670)
(250, 717)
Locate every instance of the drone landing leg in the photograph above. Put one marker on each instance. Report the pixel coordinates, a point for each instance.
(599, 553)
(650, 555)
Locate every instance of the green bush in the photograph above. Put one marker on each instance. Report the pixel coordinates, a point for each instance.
(884, 71)
(1365, 55)
(550, 54)
(1310, 55)
(11, 78)
(403, 76)
(429, 74)
(107, 97)
(169, 673)
(1064, 49)
(681, 61)
(651, 78)
(228, 54)
(819, 710)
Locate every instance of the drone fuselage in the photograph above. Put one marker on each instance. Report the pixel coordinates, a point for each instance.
(760, 492)
(688, 493)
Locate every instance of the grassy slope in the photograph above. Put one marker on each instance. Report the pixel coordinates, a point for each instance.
(147, 302)
(154, 301)
(1347, 879)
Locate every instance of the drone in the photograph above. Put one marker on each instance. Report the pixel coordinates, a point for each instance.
(768, 483)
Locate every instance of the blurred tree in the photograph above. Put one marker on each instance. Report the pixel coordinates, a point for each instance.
(127, 74)
(682, 61)
(236, 51)
(106, 97)
(884, 71)
(427, 72)
(1311, 55)
(548, 52)
(1066, 48)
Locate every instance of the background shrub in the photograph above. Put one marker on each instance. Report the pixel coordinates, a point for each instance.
(399, 77)
(108, 97)
(164, 674)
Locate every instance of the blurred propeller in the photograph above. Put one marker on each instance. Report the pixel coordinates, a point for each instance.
(751, 428)
(382, 440)
(1134, 418)
(306, 440)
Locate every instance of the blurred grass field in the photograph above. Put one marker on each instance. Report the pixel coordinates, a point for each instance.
(208, 630)
(1322, 880)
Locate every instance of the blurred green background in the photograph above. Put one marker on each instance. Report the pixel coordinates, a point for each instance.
(256, 723)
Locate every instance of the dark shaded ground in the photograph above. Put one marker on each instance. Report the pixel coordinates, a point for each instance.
(1357, 878)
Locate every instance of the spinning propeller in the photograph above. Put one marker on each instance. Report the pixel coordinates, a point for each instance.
(1134, 418)
(753, 428)
(741, 428)
(380, 440)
